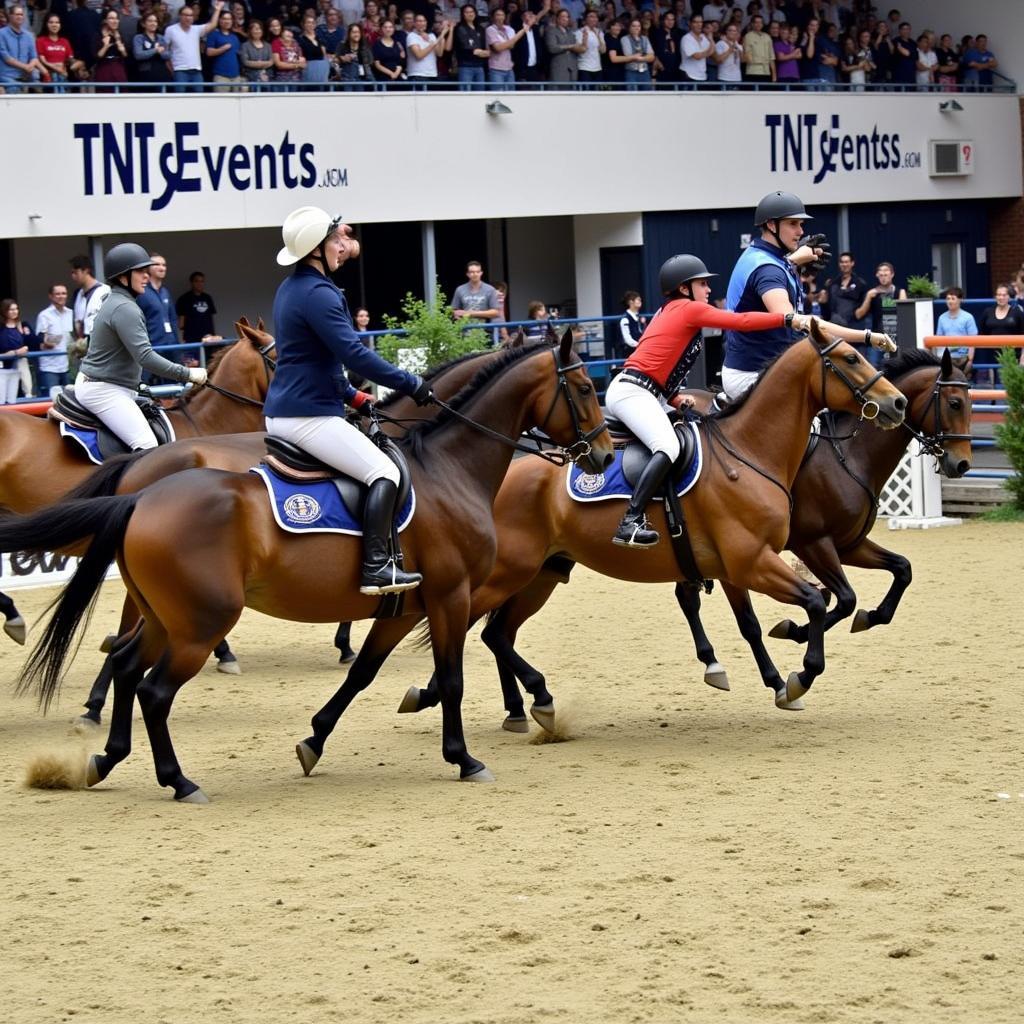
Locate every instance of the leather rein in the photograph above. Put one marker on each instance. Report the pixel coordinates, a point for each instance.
(269, 366)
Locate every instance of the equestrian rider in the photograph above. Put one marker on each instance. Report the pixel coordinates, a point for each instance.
(653, 375)
(119, 350)
(767, 278)
(315, 341)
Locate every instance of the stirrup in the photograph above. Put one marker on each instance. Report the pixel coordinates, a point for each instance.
(635, 532)
(387, 578)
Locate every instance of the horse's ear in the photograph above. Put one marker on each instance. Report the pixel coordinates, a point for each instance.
(947, 365)
(565, 347)
(243, 321)
(259, 324)
(817, 334)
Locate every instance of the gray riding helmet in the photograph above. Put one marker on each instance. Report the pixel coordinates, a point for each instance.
(124, 257)
(678, 270)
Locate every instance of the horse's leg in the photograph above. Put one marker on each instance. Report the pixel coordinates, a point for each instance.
(869, 555)
(384, 636)
(226, 660)
(343, 641)
(14, 624)
(98, 694)
(822, 559)
(688, 599)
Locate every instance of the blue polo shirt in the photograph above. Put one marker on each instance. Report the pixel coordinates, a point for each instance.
(315, 342)
(21, 46)
(225, 64)
(161, 319)
(761, 268)
(961, 324)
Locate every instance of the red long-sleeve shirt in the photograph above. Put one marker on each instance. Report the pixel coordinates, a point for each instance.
(667, 349)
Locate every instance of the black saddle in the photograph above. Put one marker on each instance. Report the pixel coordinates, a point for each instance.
(636, 455)
(66, 408)
(291, 462)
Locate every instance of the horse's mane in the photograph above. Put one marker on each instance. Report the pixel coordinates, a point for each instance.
(907, 360)
(419, 433)
(435, 371)
(211, 367)
(734, 406)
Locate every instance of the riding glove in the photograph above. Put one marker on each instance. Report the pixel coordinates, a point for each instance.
(422, 395)
(197, 375)
(822, 243)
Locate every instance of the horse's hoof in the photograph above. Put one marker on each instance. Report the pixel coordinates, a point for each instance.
(714, 675)
(521, 724)
(84, 724)
(347, 657)
(92, 771)
(307, 757)
(788, 705)
(229, 667)
(108, 642)
(410, 702)
(197, 796)
(780, 631)
(16, 629)
(483, 775)
(544, 715)
(861, 621)
(794, 689)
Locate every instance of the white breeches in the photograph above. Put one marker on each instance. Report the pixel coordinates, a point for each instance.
(330, 439)
(645, 414)
(737, 382)
(115, 405)
(9, 381)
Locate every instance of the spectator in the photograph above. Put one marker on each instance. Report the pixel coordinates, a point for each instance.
(979, 63)
(614, 63)
(787, 55)
(158, 307)
(714, 11)
(354, 60)
(697, 47)
(760, 52)
(589, 61)
(948, 64)
(857, 63)
(563, 48)
(528, 53)
(423, 48)
(499, 332)
(831, 54)
(289, 63)
(371, 23)
(240, 21)
(274, 27)
(149, 48)
(128, 20)
(223, 47)
(318, 67)
(637, 48)
(388, 55)
(1002, 318)
(111, 51)
(196, 311)
(87, 299)
(55, 328)
(884, 53)
(351, 11)
(956, 321)
(183, 46)
(631, 327)
(55, 53)
(256, 56)
(810, 62)
(904, 68)
(476, 299)
(19, 63)
(845, 295)
(927, 62)
(667, 43)
(880, 301)
(729, 55)
(537, 313)
(15, 339)
(405, 25)
(361, 319)
(82, 26)
(470, 49)
(331, 33)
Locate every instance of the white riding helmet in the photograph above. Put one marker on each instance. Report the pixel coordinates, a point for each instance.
(304, 229)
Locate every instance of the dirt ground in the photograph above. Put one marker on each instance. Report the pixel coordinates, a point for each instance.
(689, 855)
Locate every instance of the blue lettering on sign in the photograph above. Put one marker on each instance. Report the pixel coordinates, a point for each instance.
(128, 160)
(798, 145)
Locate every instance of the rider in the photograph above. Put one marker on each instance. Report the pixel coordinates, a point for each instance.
(315, 337)
(119, 350)
(657, 369)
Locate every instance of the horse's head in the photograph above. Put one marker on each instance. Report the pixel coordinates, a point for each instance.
(574, 418)
(256, 353)
(849, 383)
(939, 414)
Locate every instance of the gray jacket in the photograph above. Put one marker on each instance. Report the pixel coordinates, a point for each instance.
(119, 347)
(563, 67)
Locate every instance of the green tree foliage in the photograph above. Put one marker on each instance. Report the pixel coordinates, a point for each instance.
(1010, 434)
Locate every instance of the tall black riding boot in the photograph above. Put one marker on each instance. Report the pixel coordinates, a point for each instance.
(634, 530)
(381, 574)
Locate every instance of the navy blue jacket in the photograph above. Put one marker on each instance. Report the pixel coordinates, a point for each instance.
(315, 342)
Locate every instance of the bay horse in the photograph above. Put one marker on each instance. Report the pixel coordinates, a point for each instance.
(238, 557)
(738, 514)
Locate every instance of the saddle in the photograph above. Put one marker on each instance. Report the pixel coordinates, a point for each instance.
(68, 412)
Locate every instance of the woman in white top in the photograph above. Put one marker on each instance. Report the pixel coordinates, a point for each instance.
(422, 48)
(927, 60)
(729, 56)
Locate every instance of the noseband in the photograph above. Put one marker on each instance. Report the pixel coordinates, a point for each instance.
(869, 408)
(932, 443)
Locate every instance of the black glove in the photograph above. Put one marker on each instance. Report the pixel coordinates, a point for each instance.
(422, 395)
(819, 242)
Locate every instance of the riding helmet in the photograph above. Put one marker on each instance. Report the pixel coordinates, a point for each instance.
(780, 206)
(679, 269)
(304, 229)
(124, 257)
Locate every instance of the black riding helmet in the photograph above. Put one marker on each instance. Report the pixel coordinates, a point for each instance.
(679, 270)
(125, 257)
(780, 206)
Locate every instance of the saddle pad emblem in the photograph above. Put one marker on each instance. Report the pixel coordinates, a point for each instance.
(302, 508)
(589, 483)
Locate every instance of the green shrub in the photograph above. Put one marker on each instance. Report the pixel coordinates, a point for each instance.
(1010, 433)
(920, 286)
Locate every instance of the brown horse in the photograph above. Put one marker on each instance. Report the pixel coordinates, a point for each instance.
(738, 514)
(241, 558)
(835, 503)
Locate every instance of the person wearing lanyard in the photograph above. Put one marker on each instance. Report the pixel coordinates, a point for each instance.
(315, 341)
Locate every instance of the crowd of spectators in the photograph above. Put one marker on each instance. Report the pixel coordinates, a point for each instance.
(361, 44)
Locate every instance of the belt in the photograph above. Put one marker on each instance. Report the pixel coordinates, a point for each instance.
(641, 380)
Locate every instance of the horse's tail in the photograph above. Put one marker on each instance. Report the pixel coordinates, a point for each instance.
(103, 519)
(107, 478)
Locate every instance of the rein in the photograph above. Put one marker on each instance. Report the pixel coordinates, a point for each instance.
(269, 365)
(932, 444)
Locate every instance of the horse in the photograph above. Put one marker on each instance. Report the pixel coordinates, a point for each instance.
(738, 515)
(835, 504)
(238, 557)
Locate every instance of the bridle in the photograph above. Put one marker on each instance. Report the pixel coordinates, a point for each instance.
(869, 408)
(579, 449)
(269, 366)
(932, 443)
